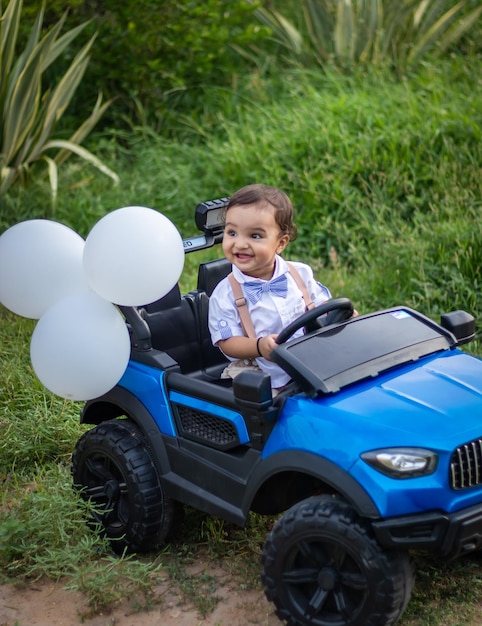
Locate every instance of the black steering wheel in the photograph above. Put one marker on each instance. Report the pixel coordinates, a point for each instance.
(337, 310)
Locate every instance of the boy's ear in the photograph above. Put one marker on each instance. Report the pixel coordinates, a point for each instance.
(283, 242)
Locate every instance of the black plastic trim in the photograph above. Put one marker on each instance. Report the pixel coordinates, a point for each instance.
(322, 469)
(212, 392)
(118, 401)
(240, 474)
(300, 357)
(448, 534)
(210, 480)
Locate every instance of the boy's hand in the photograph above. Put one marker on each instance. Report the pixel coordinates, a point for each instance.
(266, 345)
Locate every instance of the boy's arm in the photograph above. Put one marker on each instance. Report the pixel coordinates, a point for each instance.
(247, 348)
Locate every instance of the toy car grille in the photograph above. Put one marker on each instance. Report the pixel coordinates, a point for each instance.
(207, 428)
(466, 465)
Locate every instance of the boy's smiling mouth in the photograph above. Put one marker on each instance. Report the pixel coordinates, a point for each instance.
(243, 257)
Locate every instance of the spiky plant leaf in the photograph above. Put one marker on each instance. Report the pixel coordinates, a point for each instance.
(29, 113)
(284, 32)
(319, 25)
(434, 31)
(457, 30)
(344, 34)
(81, 133)
(61, 96)
(8, 36)
(84, 154)
(53, 178)
(398, 33)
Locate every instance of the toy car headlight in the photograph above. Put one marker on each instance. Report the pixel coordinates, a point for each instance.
(402, 462)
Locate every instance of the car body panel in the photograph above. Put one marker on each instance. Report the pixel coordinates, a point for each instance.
(146, 383)
(429, 404)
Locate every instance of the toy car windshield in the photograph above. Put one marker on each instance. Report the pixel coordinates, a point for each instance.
(363, 347)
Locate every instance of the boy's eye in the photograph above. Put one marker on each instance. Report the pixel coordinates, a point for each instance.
(256, 236)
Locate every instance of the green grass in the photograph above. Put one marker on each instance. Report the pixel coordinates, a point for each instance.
(35, 425)
(385, 179)
(375, 168)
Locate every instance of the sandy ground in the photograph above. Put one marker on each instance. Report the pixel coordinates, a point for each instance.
(48, 604)
(45, 603)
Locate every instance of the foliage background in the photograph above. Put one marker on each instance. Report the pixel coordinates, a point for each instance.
(384, 171)
(165, 55)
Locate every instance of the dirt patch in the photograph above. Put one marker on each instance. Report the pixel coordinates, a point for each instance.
(49, 604)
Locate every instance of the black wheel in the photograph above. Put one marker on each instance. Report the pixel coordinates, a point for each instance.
(114, 470)
(323, 567)
(336, 311)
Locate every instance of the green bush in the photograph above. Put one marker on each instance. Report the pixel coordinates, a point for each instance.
(154, 55)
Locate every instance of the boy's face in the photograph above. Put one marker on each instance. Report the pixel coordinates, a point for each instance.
(252, 239)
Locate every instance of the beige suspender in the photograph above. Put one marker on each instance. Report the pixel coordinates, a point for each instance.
(302, 287)
(240, 300)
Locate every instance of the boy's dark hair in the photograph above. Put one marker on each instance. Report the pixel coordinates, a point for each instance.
(262, 194)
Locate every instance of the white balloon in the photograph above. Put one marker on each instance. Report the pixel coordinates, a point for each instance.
(40, 263)
(80, 347)
(133, 256)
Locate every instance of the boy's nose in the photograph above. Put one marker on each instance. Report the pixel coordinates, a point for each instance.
(241, 243)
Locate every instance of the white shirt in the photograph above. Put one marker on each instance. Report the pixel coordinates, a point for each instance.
(269, 315)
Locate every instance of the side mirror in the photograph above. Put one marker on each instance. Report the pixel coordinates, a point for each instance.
(461, 324)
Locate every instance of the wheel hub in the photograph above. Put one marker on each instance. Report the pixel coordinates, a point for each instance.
(112, 490)
(327, 578)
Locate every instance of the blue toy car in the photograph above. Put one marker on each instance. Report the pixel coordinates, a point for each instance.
(372, 451)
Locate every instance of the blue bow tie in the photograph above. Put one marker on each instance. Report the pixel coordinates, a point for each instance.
(277, 286)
